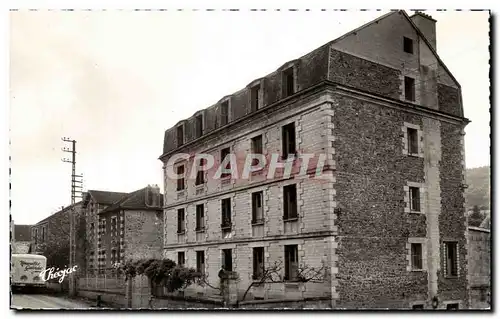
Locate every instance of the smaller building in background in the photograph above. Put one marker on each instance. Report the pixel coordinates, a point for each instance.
(479, 259)
(120, 226)
(131, 228)
(50, 236)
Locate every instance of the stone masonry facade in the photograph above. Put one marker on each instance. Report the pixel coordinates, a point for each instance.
(360, 220)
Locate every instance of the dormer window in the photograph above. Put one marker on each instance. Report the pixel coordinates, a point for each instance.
(224, 113)
(408, 45)
(199, 125)
(254, 97)
(288, 82)
(180, 135)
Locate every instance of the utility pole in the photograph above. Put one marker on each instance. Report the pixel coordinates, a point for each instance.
(76, 192)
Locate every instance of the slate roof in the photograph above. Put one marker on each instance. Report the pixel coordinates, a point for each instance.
(167, 140)
(102, 197)
(134, 200)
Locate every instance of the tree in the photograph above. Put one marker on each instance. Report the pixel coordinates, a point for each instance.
(475, 218)
(160, 272)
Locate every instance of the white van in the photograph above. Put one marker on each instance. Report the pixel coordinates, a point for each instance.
(25, 270)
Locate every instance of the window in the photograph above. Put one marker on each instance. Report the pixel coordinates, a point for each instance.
(288, 140)
(258, 262)
(200, 262)
(452, 306)
(199, 125)
(200, 217)
(113, 256)
(290, 202)
(418, 306)
(200, 175)
(288, 82)
(416, 256)
(181, 258)
(257, 145)
(36, 236)
(180, 178)
(181, 227)
(408, 45)
(114, 226)
(92, 227)
(227, 259)
(226, 213)
(256, 148)
(451, 255)
(224, 113)
(412, 141)
(223, 154)
(409, 89)
(414, 199)
(257, 210)
(180, 135)
(43, 234)
(254, 97)
(291, 262)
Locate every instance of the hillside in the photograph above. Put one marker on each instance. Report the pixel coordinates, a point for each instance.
(478, 192)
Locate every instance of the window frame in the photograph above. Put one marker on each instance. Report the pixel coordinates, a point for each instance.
(449, 271)
(258, 267)
(288, 140)
(291, 266)
(180, 141)
(413, 254)
(287, 74)
(414, 197)
(200, 220)
(408, 45)
(256, 197)
(179, 254)
(181, 221)
(224, 112)
(200, 261)
(255, 97)
(225, 152)
(199, 125)
(409, 89)
(226, 213)
(293, 214)
(181, 183)
(227, 259)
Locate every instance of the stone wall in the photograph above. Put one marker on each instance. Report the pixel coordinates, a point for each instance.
(479, 264)
(143, 234)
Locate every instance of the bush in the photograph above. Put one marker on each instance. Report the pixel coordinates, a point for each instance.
(164, 272)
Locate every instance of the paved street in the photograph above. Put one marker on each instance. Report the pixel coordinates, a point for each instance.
(43, 301)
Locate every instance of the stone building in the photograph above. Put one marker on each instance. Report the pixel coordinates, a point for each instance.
(479, 267)
(122, 225)
(385, 222)
(131, 228)
(52, 235)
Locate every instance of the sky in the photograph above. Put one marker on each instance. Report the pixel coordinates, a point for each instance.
(116, 80)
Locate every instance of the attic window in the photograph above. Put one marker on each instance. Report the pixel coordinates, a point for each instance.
(408, 45)
(180, 135)
(288, 82)
(199, 125)
(224, 113)
(254, 97)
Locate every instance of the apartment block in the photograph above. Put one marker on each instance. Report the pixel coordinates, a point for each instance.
(379, 210)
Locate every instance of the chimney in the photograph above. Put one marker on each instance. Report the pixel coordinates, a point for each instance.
(427, 25)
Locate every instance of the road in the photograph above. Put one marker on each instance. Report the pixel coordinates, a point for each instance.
(44, 301)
